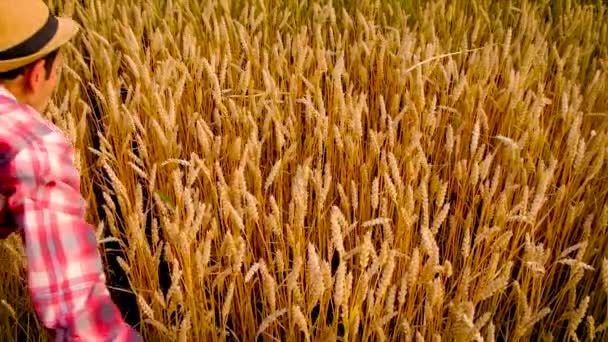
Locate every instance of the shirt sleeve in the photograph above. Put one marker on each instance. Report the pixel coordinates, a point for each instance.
(65, 273)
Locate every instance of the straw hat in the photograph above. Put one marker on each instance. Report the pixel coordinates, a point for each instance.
(29, 31)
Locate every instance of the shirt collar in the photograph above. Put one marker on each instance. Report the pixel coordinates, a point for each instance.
(6, 93)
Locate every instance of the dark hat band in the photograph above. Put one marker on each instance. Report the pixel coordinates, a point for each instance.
(34, 43)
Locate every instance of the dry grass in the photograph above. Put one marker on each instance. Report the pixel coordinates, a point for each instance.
(321, 171)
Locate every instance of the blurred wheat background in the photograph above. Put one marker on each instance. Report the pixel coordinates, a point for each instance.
(340, 170)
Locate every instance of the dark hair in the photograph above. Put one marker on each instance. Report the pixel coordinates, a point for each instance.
(48, 65)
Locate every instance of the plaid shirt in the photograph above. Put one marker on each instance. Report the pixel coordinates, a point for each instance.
(65, 275)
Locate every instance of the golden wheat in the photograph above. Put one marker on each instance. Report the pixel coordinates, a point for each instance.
(391, 170)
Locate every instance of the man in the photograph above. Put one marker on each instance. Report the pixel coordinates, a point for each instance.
(40, 185)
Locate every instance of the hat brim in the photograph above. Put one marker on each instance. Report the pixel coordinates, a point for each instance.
(66, 30)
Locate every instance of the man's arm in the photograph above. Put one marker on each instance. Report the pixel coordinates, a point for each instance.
(65, 274)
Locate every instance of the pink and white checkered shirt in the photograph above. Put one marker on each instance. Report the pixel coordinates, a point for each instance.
(65, 275)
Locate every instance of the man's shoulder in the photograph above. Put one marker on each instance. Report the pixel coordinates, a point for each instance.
(22, 128)
(33, 150)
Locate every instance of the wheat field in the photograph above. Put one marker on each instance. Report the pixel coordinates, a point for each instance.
(340, 170)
